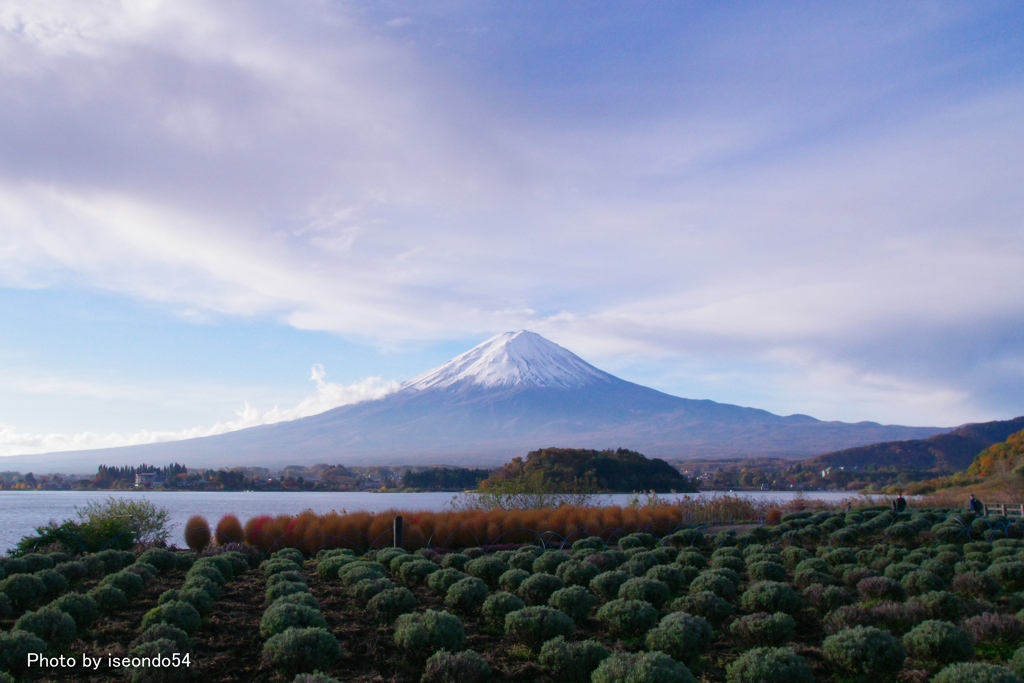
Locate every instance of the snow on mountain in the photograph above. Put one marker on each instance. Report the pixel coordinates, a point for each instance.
(512, 359)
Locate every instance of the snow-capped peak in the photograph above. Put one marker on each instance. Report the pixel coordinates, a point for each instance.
(512, 359)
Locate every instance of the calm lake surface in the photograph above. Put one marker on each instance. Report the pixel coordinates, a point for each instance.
(22, 511)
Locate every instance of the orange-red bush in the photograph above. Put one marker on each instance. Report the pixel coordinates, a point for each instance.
(229, 530)
(197, 533)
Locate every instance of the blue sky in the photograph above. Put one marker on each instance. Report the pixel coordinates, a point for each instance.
(215, 215)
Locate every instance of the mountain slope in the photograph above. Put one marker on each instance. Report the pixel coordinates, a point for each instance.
(942, 454)
(514, 393)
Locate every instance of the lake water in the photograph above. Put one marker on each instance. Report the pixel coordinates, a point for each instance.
(22, 511)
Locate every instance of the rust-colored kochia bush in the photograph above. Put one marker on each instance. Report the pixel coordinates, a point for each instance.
(197, 533)
(229, 530)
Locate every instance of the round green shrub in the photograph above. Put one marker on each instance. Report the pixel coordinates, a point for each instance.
(488, 569)
(358, 571)
(827, 598)
(395, 565)
(922, 581)
(328, 567)
(37, 562)
(938, 642)
(637, 540)
(512, 579)
(771, 596)
(290, 554)
(691, 558)
(575, 601)
(221, 564)
(549, 561)
(363, 591)
(942, 605)
(533, 626)
(766, 571)
(669, 575)
(498, 605)
(769, 665)
(108, 598)
(285, 588)
(285, 577)
(55, 627)
(280, 617)
(577, 573)
(161, 558)
(457, 561)
(161, 647)
(682, 636)
(537, 589)
(467, 595)
(176, 613)
(705, 604)
(646, 667)
(606, 586)
(473, 553)
(764, 630)
(458, 667)
(976, 672)
(5, 607)
(865, 653)
(978, 585)
(808, 577)
(82, 608)
(388, 604)
(304, 599)
(276, 566)
(571, 662)
(1010, 575)
(415, 573)
(812, 564)
(15, 647)
(73, 571)
(734, 563)
(54, 581)
(439, 582)
(991, 627)
(385, 555)
(201, 583)
(172, 633)
(301, 649)
(714, 581)
(629, 618)
(23, 590)
(898, 617)
(421, 634)
(881, 588)
(648, 590)
(794, 555)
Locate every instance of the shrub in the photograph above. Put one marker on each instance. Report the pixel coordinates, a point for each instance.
(460, 667)
(73, 571)
(301, 649)
(278, 566)
(808, 577)
(292, 554)
(706, 604)
(467, 595)
(533, 626)
(108, 598)
(176, 613)
(571, 662)
(764, 630)
(922, 581)
(161, 558)
(229, 530)
(898, 617)
(537, 589)
(205, 571)
(794, 555)
(716, 582)
(978, 585)
(637, 540)
(167, 632)
(488, 569)
(197, 533)
(941, 605)
(681, 636)
(398, 560)
(576, 573)
(223, 565)
(201, 583)
(512, 579)
(81, 608)
(646, 667)
(671, 576)
(161, 647)
(328, 567)
(607, 585)
(549, 561)
(440, 581)
(827, 598)
(5, 607)
(734, 563)
(846, 617)
(420, 635)
(389, 603)
(938, 642)
(881, 588)
(648, 590)
(57, 628)
(280, 617)
(629, 618)
(457, 561)
(769, 665)
(976, 672)
(498, 605)
(691, 558)
(991, 627)
(363, 591)
(304, 599)
(865, 654)
(23, 590)
(54, 581)
(575, 601)
(414, 573)
(770, 596)
(15, 647)
(359, 571)
(315, 677)
(285, 577)
(766, 571)
(285, 588)
(1010, 575)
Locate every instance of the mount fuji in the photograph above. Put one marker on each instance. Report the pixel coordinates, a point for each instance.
(513, 393)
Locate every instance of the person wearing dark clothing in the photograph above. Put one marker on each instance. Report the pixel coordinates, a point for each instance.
(901, 503)
(976, 506)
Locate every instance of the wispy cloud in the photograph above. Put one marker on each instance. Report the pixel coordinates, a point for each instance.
(328, 395)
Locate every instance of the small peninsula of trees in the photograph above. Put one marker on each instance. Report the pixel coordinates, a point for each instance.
(581, 470)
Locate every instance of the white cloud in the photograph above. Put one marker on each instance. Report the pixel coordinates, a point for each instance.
(328, 395)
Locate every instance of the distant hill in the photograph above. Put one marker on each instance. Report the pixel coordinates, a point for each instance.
(570, 469)
(942, 454)
(1010, 452)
